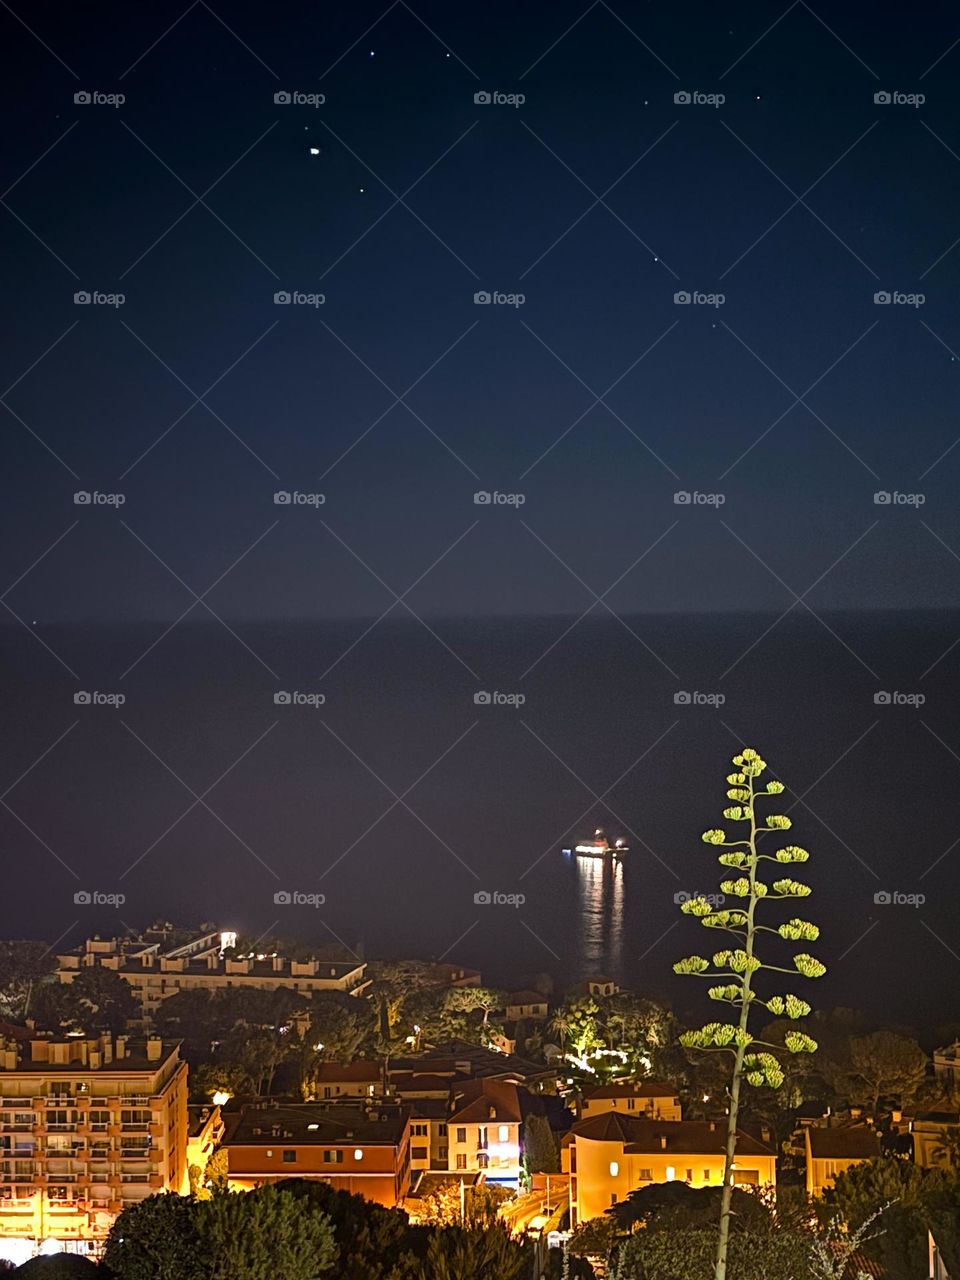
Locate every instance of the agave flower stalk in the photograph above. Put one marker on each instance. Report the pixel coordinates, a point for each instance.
(733, 970)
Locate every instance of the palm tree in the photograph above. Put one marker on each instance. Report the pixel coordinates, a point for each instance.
(562, 1023)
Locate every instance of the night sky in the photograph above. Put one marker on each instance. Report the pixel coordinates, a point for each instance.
(813, 374)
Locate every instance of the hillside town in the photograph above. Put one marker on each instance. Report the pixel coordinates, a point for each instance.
(179, 1065)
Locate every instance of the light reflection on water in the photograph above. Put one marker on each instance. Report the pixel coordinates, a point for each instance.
(600, 910)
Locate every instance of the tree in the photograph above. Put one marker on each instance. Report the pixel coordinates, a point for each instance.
(342, 1026)
(257, 1053)
(156, 1239)
(678, 1206)
(263, 1234)
(752, 1060)
(253, 1235)
(488, 1254)
(561, 1024)
(97, 999)
(22, 965)
(595, 1238)
(468, 999)
(895, 1189)
(218, 1077)
(59, 1266)
(884, 1066)
(479, 1206)
(666, 1255)
(374, 1243)
(948, 1146)
(636, 1025)
(540, 1152)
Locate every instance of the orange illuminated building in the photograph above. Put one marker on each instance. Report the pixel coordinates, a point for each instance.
(88, 1126)
(363, 1149)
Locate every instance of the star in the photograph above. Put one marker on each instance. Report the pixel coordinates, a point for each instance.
(314, 151)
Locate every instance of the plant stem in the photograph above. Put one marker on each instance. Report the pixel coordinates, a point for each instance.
(726, 1195)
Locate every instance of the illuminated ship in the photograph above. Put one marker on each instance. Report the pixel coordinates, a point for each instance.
(600, 846)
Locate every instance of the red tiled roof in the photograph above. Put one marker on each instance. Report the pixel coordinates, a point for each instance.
(474, 1101)
(349, 1072)
(849, 1142)
(646, 1137)
(645, 1089)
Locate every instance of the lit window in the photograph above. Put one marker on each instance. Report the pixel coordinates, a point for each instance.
(671, 1173)
(504, 1133)
(614, 1169)
(358, 1154)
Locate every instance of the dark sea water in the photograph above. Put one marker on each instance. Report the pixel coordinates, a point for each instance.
(400, 798)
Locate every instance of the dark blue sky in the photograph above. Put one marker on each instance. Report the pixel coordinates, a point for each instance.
(505, 198)
(599, 198)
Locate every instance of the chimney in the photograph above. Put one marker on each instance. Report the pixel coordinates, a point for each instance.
(663, 1142)
(121, 1047)
(154, 1049)
(765, 1134)
(713, 1126)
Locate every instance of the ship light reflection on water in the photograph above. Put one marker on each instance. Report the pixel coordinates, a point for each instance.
(600, 894)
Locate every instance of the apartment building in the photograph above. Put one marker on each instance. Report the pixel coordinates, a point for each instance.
(209, 962)
(609, 1155)
(483, 1128)
(88, 1125)
(649, 1098)
(363, 1149)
